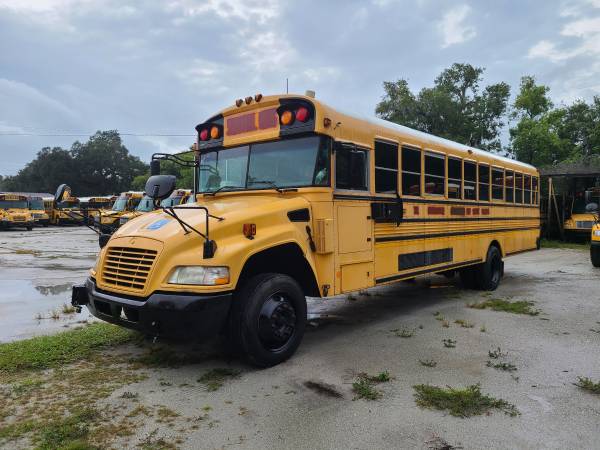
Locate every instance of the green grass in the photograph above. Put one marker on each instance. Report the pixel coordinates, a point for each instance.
(364, 386)
(464, 323)
(497, 353)
(449, 343)
(428, 362)
(403, 332)
(67, 432)
(588, 385)
(498, 304)
(215, 378)
(46, 352)
(465, 402)
(546, 243)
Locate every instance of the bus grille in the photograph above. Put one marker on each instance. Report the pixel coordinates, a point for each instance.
(585, 224)
(128, 267)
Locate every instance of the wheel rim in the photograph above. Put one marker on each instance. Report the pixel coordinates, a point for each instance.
(277, 321)
(496, 269)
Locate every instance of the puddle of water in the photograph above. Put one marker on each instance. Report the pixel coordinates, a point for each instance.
(21, 301)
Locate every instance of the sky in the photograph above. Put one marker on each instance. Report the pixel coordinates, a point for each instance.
(154, 69)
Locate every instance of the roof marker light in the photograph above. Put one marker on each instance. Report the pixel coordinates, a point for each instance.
(258, 98)
(239, 102)
(248, 100)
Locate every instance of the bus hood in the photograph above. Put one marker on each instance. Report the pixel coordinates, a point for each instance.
(234, 210)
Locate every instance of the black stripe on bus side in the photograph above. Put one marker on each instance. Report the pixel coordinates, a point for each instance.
(457, 233)
(425, 271)
(467, 219)
(375, 198)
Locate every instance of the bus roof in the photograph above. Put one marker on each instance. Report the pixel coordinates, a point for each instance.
(16, 197)
(422, 137)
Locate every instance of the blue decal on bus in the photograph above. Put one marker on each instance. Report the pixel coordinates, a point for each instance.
(158, 224)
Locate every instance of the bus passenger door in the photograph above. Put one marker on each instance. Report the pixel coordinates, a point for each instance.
(354, 250)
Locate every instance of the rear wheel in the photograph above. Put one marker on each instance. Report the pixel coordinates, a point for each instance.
(268, 318)
(595, 255)
(490, 272)
(29, 228)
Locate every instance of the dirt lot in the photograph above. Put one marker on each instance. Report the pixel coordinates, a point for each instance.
(161, 395)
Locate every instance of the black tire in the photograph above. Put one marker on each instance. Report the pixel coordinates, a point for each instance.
(267, 319)
(467, 277)
(490, 272)
(595, 255)
(29, 228)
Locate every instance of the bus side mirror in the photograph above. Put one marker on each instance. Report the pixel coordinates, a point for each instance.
(103, 239)
(159, 187)
(62, 192)
(155, 167)
(591, 207)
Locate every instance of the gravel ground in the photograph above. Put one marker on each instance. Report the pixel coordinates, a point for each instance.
(276, 408)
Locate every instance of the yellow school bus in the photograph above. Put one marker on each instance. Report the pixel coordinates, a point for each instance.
(298, 199)
(126, 202)
(580, 221)
(38, 211)
(146, 205)
(92, 207)
(14, 212)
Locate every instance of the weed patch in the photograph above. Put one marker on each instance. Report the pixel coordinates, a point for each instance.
(68, 309)
(507, 367)
(166, 357)
(496, 354)
(364, 386)
(465, 402)
(516, 307)
(547, 243)
(215, 378)
(403, 332)
(44, 352)
(428, 362)
(588, 385)
(464, 323)
(449, 343)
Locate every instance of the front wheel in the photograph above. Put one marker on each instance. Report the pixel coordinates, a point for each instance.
(268, 318)
(29, 228)
(595, 255)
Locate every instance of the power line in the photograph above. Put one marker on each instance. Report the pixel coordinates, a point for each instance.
(91, 134)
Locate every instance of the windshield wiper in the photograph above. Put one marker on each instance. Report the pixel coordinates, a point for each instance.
(222, 188)
(273, 185)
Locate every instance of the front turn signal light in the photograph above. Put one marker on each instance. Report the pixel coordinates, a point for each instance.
(249, 230)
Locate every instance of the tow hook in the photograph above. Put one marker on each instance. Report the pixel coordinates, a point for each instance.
(79, 297)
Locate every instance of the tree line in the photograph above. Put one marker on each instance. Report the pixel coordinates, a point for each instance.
(456, 107)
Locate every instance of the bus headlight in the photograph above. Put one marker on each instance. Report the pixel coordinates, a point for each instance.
(200, 275)
(597, 233)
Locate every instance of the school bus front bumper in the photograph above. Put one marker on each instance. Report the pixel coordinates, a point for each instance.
(178, 316)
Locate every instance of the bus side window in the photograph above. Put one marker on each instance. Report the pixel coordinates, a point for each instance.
(386, 167)
(470, 192)
(484, 182)
(351, 168)
(435, 174)
(509, 184)
(534, 190)
(497, 184)
(527, 191)
(411, 171)
(454, 177)
(518, 188)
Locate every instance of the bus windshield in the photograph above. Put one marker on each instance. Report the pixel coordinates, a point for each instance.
(286, 163)
(120, 204)
(146, 205)
(13, 204)
(37, 205)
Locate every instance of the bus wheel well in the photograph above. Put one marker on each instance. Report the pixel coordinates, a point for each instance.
(287, 259)
(496, 244)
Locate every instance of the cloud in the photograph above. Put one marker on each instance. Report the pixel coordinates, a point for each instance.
(256, 11)
(453, 28)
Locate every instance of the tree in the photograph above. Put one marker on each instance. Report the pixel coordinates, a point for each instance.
(455, 107)
(532, 101)
(102, 165)
(105, 164)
